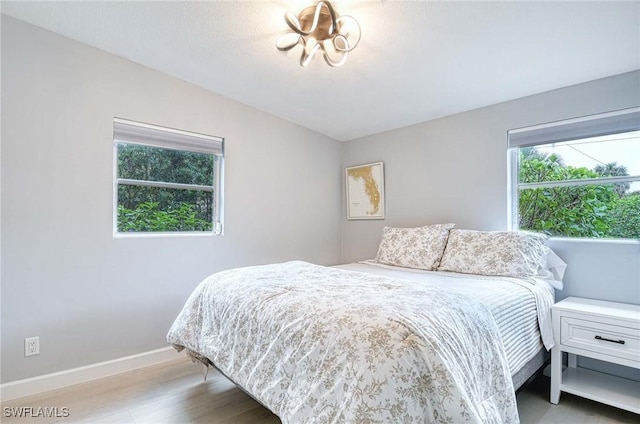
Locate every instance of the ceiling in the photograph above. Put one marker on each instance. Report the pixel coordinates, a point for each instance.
(417, 60)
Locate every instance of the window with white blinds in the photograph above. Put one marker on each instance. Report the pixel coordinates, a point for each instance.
(166, 181)
(578, 177)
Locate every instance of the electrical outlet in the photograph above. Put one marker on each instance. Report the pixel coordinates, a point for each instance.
(32, 346)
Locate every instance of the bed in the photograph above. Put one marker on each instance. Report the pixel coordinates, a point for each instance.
(372, 341)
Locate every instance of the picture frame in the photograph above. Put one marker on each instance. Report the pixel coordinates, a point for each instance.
(365, 191)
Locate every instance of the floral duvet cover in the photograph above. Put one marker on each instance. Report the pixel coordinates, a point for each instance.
(326, 345)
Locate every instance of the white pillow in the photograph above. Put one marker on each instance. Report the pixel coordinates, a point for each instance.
(419, 247)
(504, 253)
(553, 269)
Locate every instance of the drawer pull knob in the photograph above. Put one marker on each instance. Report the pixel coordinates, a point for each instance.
(609, 340)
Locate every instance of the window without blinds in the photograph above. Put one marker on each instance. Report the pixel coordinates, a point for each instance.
(578, 177)
(166, 180)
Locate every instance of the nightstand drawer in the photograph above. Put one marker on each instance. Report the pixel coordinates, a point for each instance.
(607, 339)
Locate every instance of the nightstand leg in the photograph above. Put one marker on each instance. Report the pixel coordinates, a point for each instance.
(556, 374)
(572, 360)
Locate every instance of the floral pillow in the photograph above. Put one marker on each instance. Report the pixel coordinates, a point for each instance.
(420, 247)
(505, 253)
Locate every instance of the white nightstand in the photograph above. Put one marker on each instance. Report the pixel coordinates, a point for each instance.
(607, 331)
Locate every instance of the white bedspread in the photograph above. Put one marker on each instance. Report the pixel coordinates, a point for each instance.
(326, 345)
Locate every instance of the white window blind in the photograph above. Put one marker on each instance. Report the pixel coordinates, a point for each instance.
(151, 135)
(616, 122)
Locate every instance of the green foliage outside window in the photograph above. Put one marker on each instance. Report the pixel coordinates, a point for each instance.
(595, 211)
(159, 209)
(147, 217)
(625, 217)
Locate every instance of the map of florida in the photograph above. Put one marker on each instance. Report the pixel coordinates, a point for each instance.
(371, 186)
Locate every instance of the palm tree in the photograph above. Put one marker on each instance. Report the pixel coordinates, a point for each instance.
(533, 153)
(612, 169)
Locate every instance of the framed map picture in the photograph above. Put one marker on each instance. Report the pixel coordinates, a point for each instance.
(365, 191)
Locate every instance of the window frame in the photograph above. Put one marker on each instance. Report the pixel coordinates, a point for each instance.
(129, 132)
(608, 123)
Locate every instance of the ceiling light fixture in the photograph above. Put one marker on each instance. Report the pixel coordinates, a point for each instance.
(319, 27)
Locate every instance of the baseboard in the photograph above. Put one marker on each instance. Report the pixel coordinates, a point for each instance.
(57, 380)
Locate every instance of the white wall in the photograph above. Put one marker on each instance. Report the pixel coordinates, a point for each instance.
(454, 169)
(92, 298)
(88, 296)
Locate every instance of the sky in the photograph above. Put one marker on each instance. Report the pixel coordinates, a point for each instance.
(621, 148)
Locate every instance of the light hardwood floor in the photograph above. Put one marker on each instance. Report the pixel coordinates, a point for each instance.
(174, 392)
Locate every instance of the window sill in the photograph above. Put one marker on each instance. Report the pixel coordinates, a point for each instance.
(595, 240)
(164, 235)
